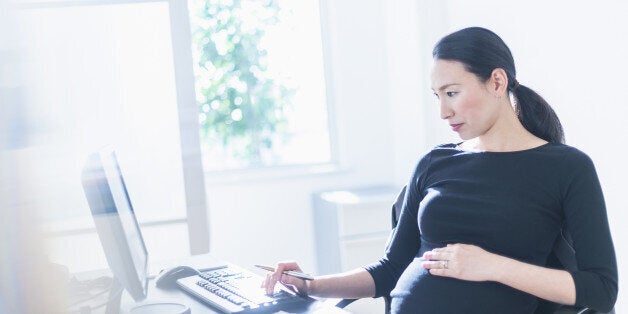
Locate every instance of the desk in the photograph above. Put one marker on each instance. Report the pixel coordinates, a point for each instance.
(175, 295)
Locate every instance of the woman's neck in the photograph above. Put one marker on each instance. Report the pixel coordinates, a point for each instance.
(476, 144)
(506, 135)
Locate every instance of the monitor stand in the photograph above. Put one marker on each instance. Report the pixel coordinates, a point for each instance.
(115, 296)
(165, 308)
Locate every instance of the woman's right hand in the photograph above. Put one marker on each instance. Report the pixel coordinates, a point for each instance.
(297, 285)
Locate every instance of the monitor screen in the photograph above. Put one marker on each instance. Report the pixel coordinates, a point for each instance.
(115, 222)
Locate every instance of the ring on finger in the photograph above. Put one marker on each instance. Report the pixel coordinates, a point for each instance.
(444, 264)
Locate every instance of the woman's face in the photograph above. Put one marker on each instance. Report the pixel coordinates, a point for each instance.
(465, 101)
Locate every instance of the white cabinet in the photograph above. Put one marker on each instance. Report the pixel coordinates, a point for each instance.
(352, 227)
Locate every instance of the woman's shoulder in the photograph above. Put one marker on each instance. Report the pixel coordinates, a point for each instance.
(569, 154)
(425, 159)
(438, 151)
(562, 158)
(444, 148)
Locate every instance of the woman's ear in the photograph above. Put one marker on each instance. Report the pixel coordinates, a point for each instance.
(498, 82)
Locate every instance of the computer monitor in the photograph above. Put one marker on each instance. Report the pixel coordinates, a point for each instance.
(115, 222)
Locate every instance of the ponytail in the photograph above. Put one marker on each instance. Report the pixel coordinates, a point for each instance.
(482, 51)
(536, 115)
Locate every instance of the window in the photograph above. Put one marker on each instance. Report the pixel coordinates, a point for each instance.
(260, 83)
(104, 73)
(111, 82)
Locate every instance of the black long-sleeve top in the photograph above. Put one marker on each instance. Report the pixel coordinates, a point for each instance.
(509, 203)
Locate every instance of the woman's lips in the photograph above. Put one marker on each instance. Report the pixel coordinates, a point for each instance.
(456, 127)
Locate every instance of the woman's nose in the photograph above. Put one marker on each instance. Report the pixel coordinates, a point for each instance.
(445, 111)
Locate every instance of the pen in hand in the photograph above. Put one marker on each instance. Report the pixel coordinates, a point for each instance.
(294, 273)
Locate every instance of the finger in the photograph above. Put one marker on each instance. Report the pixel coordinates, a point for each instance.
(281, 267)
(427, 255)
(284, 266)
(441, 249)
(278, 274)
(437, 255)
(270, 284)
(440, 272)
(432, 264)
(288, 265)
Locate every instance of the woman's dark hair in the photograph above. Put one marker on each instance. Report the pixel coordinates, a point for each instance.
(482, 51)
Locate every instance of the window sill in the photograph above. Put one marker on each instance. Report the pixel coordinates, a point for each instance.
(273, 173)
(84, 225)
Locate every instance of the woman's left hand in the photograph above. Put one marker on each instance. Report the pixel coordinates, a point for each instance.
(463, 261)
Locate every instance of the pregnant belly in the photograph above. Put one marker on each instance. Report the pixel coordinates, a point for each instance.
(417, 291)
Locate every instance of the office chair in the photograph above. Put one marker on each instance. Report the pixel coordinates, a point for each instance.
(563, 256)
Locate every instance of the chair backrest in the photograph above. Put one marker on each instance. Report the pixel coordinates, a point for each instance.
(563, 256)
(396, 207)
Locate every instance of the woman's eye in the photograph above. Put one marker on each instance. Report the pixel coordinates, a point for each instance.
(451, 94)
(436, 95)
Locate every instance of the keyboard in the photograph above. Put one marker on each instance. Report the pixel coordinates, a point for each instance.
(235, 290)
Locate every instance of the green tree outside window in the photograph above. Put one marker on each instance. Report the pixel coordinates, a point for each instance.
(242, 108)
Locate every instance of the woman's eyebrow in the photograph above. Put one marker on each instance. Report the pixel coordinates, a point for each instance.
(445, 86)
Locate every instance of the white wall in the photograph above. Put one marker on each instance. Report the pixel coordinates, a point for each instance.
(571, 53)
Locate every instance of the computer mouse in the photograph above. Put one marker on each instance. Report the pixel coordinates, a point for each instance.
(168, 278)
